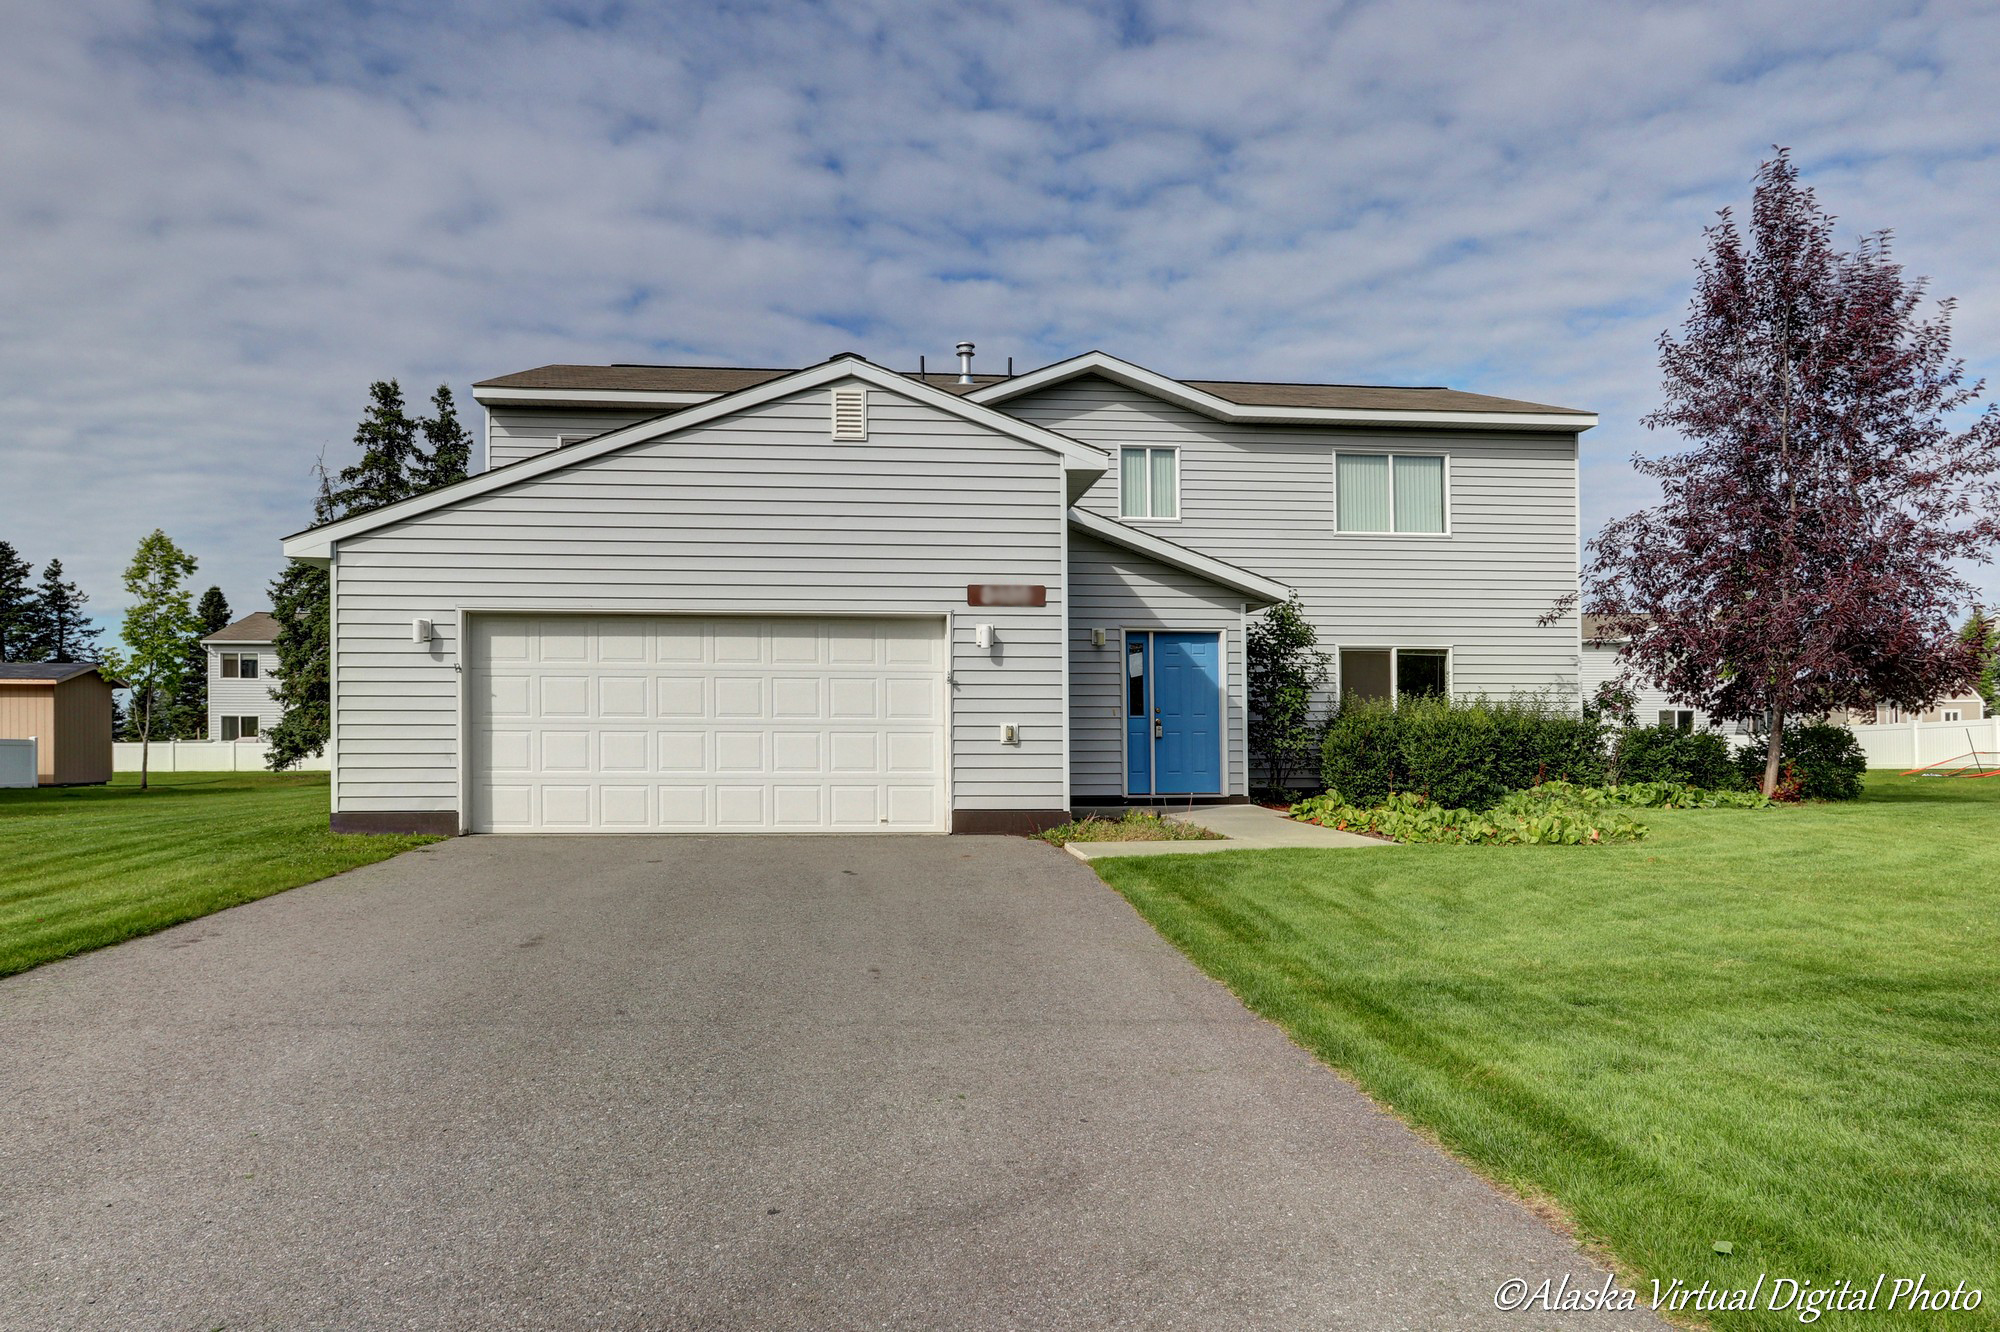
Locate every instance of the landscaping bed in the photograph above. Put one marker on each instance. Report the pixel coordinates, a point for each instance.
(1136, 825)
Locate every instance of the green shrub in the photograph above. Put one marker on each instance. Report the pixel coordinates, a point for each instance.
(1818, 761)
(1462, 755)
(1669, 754)
(1450, 753)
(1649, 795)
(1826, 761)
(1362, 752)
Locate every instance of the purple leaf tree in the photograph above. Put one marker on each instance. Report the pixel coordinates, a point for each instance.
(1801, 558)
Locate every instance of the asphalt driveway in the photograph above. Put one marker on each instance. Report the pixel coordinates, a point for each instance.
(708, 1082)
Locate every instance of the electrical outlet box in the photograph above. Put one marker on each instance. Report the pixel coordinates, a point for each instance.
(1010, 733)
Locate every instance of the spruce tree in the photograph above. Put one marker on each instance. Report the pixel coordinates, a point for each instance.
(301, 604)
(59, 631)
(17, 606)
(1982, 635)
(187, 718)
(448, 442)
(391, 462)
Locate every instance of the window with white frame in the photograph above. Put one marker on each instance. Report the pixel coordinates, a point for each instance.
(1676, 719)
(239, 665)
(1389, 492)
(1149, 483)
(1953, 714)
(239, 728)
(1393, 674)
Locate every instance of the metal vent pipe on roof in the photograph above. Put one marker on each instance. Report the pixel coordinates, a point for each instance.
(965, 363)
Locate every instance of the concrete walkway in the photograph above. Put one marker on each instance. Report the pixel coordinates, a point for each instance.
(1243, 828)
(709, 1082)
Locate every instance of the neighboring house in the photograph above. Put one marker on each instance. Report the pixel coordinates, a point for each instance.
(849, 599)
(241, 667)
(1600, 665)
(1959, 707)
(66, 708)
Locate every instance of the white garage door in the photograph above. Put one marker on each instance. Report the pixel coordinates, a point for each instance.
(670, 723)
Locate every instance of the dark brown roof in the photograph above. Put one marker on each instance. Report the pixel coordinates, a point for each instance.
(256, 627)
(51, 672)
(637, 378)
(1246, 393)
(1367, 397)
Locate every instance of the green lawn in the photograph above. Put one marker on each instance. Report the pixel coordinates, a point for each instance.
(1779, 1028)
(81, 867)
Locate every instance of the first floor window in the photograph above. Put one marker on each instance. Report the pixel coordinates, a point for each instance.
(1389, 492)
(1149, 483)
(239, 728)
(1393, 674)
(1676, 719)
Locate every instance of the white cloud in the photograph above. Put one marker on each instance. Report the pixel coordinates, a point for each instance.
(221, 224)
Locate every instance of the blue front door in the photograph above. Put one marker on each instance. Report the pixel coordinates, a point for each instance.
(1173, 714)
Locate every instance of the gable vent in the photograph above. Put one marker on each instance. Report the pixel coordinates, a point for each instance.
(850, 413)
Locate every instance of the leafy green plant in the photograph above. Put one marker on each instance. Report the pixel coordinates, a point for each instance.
(1460, 754)
(1517, 821)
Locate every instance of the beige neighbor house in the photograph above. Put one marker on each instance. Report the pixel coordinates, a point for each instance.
(242, 664)
(65, 707)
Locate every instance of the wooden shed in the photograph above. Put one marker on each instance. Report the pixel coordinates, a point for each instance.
(65, 707)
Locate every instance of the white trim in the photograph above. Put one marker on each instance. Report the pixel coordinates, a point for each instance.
(1062, 629)
(1118, 470)
(464, 741)
(526, 397)
(1180, 557)
(333, 684)
(1391, 455)
(317, 543)
(1194, 399)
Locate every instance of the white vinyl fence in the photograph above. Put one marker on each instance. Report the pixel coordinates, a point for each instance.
(201, 756)
(1905, 745)
(17, 762)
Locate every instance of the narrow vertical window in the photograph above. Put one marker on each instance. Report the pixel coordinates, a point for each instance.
(1135, 678)
(1361, 491)
(1419, 492)
(1149, 483)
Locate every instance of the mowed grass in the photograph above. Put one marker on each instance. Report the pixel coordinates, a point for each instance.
(82, 867)
(1779, 1028)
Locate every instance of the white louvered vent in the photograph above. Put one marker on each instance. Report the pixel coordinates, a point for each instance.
(850, 413)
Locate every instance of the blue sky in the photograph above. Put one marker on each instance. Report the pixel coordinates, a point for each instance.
(222, 221)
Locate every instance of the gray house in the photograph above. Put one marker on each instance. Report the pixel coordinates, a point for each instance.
(241, 665)
(847, 599)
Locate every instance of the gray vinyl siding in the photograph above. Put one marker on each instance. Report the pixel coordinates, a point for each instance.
(239, 697)
(514, 433)
(1114, 589)
(1261, 496)
(757, 512)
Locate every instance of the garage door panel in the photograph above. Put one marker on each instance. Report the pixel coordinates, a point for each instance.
(690, 723)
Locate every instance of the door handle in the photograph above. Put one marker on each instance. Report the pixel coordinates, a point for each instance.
(1159, 731)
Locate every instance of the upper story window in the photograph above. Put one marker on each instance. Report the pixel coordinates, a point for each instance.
(1389, 492)
(239, 665)
(1149, 483)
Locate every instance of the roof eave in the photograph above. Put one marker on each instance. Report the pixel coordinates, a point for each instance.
(1268, 591)
(1222, 409)
(562, 397)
